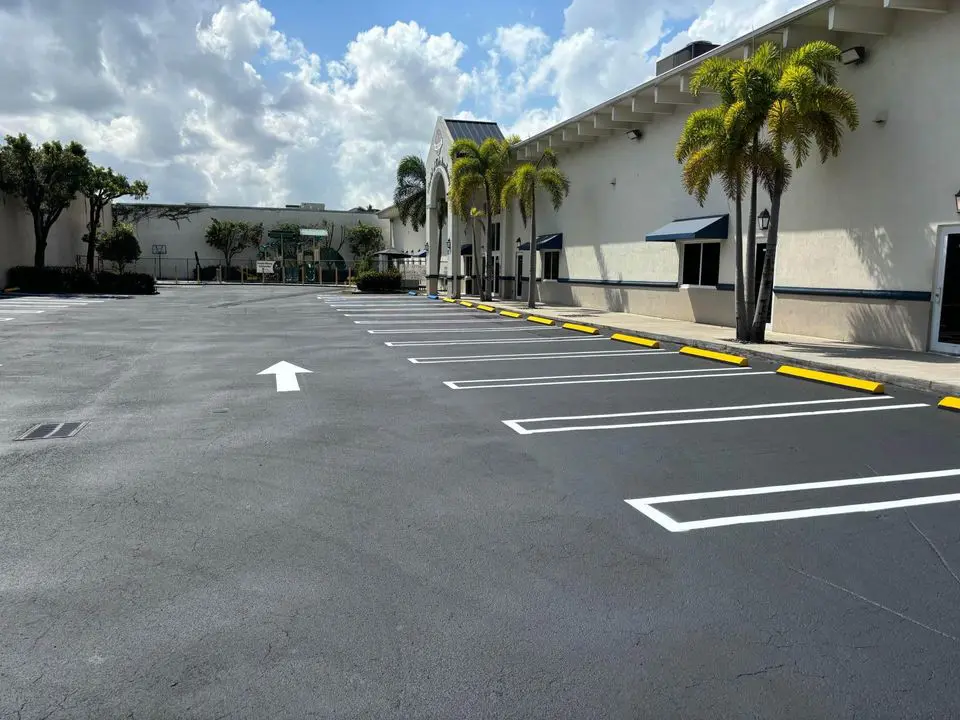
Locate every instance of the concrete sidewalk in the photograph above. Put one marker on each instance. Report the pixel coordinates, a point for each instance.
(920, 371)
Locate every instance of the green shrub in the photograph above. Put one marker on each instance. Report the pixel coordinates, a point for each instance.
(70, 280)
(377, 281)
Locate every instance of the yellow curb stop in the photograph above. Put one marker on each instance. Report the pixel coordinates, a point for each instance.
(488, 308)
(635, 340)
(510, 313)
(718, 356)
(581, 328)
(448, 300)
(870, 386)
(538, 319)
(466, 304)
(950, 403)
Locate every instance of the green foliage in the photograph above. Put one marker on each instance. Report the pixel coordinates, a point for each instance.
(410, 195)
(379, 281)
(70, 280)
(527, 179)
(364, 240)
(101, 186)
(46, 178)
(119, 245)
(231, 237)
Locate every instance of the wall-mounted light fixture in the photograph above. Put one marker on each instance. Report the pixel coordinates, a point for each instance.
(448, 243)
(518, 244)
(763, 219)
(635, 134)
(854, 56)
(957, 198)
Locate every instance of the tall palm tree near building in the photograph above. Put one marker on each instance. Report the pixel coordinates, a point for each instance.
(708, 149)
(522, 185)
(480, 169)
(410, 195)
(809, 109)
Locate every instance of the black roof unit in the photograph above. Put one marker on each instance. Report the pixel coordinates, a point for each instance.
(694, 49)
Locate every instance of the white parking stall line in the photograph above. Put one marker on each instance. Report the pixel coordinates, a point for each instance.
(509, 341)
(395, 307)
(21, 311)
(479, 320)
(649, 375)
(645, 505)
(32, 306)
(520, 426)
(524, 329)
(393, 316)
(5, 319)
(536, 356)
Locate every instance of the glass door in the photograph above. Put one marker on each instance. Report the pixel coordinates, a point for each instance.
(519, 276)
(945, 328)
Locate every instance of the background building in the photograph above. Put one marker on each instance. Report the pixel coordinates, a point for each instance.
(65, 243)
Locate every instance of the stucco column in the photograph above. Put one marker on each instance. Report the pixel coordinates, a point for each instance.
(433, 249)
(453, 227)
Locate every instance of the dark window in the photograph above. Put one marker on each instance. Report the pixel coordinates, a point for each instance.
(701, 263)
(551, 265)
(496, 237)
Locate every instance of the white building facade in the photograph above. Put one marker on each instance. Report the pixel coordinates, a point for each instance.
(869, 241)
(64, 244)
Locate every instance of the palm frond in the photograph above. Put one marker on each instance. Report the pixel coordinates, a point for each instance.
(410, 194)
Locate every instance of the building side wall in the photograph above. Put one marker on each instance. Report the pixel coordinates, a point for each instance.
(17, 241)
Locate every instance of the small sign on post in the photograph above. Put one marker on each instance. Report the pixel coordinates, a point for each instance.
(264, 267)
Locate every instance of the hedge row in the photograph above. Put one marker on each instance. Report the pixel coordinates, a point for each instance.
(377, 281)
(74, 280)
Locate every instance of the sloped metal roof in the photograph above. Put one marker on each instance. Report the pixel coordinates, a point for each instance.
(474, 129)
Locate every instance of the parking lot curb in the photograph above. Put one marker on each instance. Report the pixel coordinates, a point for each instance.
(870, 386)
(466, 303)
(635, 340)
(449, 300)
(760, 353)
(541, 320)
(723, 357)
(581, 328)
(950, 403)
(486, 308)
(510, 314)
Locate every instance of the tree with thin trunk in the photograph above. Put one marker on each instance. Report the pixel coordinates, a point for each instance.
(480, 169)
(232, 237)
(46, 178)
(708, 150)
(119, 245)
(101, 186)
(808, 109)
(522, 185)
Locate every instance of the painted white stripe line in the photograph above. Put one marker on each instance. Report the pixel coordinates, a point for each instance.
(34, 306)
(602, 375)
(395, 308)
(49, 301)
(5, 319)
(644, 505)
(510, 341)
(454, 385)
(480, 319)
(393, 316)
(17, 311)
(537, 356)
(512, 424)
(523, 328)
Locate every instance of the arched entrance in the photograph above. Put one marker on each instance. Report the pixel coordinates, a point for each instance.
(443, 238)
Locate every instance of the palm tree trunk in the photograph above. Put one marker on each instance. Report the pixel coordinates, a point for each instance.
(739, 289)
(488, 275)
(532, 283)
(765, 300)
(92, 235)
(751, 260)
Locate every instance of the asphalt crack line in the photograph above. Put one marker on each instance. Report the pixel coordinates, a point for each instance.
(936, 550)
(875, 604)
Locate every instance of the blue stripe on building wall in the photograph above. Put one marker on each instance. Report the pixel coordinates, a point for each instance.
(913, 295)
(619, 283)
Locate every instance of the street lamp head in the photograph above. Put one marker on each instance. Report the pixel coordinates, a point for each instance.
(763, 219)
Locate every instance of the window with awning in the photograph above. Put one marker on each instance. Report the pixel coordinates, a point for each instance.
(709, 227)
(554, 241)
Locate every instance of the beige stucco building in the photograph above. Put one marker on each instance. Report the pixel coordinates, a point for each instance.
(870, 240)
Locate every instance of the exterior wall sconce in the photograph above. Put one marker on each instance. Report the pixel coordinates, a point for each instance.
(449, 243)
(763, 219)
(635, 134)
(958, 205)
(853, 56)
(957, 198)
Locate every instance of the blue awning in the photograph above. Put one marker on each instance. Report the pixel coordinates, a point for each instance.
(422, 253)
(711, 227)
(554, 241)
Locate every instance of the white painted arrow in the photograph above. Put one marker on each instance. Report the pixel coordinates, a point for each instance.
(286, 375)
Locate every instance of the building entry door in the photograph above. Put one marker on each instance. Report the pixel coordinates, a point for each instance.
(519, 276)
(945, 327)
(496, 274)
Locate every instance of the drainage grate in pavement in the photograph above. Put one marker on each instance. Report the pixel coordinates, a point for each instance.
(53, 431)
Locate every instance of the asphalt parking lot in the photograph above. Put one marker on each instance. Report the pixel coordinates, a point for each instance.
(441, 512)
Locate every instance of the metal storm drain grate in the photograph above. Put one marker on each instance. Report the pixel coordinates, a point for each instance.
(53, 431)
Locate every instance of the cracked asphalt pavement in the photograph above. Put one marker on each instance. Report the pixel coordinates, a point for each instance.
(382, 545)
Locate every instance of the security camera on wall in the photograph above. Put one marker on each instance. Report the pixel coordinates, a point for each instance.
(635, 134)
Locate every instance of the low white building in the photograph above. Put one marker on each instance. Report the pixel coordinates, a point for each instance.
(169, 245)
(870, 240)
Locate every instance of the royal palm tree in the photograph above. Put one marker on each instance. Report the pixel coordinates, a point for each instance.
(480, 169)
(808, 110)
(523, 184)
